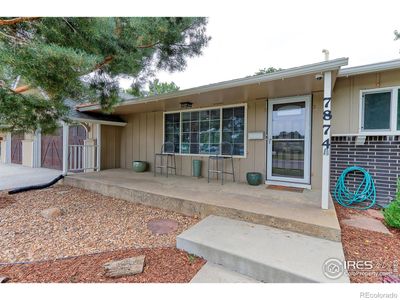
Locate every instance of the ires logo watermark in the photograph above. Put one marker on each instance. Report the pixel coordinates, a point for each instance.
(334, 268)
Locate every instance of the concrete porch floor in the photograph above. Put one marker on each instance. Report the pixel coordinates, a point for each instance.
(297, 212)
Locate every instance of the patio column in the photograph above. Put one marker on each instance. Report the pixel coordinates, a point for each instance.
(98, 148)
(37, 138)
(89, 154)
(65, 148)
(6, 149)
(326, 140)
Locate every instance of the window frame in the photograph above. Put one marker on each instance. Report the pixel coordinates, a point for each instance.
(393, 111)
(220, 107)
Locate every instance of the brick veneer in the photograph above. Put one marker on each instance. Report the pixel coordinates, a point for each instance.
(379, 155)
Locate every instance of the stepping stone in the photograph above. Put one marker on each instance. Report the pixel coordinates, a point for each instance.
(377, 214)
(125, 267)
(50, 213)
(162, 226)
(367, 223)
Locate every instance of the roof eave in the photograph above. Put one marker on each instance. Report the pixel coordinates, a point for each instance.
(324, 66)
(102, 122)
(370, 68)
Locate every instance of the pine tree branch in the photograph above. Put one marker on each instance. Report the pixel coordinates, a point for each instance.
(148, 45)
(7, 22)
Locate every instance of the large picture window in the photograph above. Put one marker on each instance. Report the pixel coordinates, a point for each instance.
(207, 131)
(380, 110)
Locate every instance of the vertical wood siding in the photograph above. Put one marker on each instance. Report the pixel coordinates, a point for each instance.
(110, 147)
(142, 137)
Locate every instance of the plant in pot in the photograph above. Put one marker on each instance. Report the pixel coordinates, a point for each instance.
(139, 166)
(254, 178)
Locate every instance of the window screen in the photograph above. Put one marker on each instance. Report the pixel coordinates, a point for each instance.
(377, 111)
(398, 109)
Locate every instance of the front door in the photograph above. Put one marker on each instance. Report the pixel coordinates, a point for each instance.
(288, 145)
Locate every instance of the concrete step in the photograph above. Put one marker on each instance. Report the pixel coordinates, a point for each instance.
(264, 253)
(212, 273)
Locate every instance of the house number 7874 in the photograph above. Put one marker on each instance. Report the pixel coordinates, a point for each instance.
(326, 116)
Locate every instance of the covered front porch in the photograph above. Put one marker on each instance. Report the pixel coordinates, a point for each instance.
(294, 211)
(275, 124)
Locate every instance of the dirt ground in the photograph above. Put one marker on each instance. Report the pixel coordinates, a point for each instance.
(90, 223)
(93, 229)
(381, 249)
(165, 265)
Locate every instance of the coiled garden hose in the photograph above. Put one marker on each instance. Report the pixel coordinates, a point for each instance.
(365, 193)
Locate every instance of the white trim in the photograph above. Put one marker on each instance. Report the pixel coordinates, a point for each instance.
(325, 151)
(98, 148)
(37, 149)
(370, 68)
(65, 127)
(288, 184)
(307, 139)
(315, 68)
(393, 111)
(102, 122)
(377, 133)
(8, 148)
(220, 107)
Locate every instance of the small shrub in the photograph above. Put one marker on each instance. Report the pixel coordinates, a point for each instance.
(392, 212)
(192, 258)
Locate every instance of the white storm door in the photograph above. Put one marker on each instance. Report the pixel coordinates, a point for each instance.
(288, 139)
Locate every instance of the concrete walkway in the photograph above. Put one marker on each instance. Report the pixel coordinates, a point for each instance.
(263, 253)
(14, 176)
(212, 273)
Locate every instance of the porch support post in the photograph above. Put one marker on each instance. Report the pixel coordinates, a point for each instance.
(37, 139)
(6, 149)
(98, 148)
(65, 148)
(326, 132)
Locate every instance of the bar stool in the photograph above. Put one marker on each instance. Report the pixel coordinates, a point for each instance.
(167, 151)
(225, 148)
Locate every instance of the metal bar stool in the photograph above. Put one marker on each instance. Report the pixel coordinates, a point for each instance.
(167, 151)
(227, 149)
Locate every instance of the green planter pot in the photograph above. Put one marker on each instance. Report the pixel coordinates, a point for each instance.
(197, 168)
(139, 166)
(254, 178)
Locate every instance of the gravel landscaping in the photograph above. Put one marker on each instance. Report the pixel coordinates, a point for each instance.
(89, 223)
(365, 245)
(167, 265)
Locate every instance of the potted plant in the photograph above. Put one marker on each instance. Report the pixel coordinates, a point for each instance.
(139, 166)
(254, 178)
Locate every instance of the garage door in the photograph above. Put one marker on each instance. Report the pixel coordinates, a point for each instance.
(52, 150)
(52, 146)
(16, 148)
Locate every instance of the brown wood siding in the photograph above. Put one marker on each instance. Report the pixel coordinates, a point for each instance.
(110, 147)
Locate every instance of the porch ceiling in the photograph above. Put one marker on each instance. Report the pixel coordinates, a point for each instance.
(279, 88)
(289, 82)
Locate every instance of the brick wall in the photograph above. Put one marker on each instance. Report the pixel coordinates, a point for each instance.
(380, 156)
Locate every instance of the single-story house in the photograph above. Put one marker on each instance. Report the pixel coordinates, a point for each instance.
(299, 127)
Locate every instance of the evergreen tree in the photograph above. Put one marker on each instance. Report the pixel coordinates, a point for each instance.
(83, 58)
